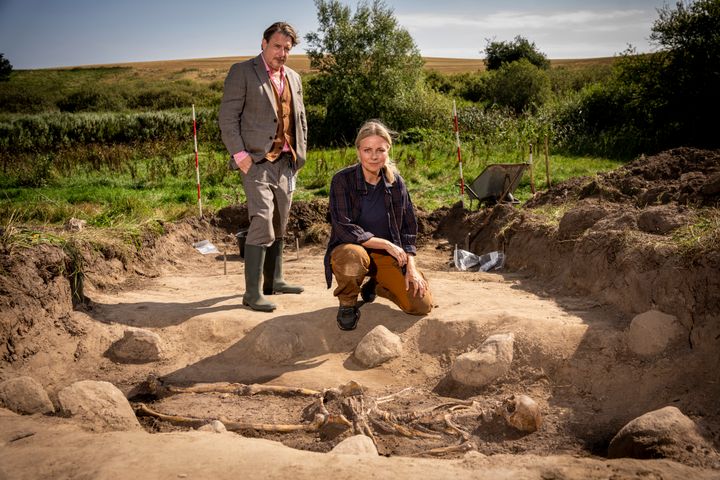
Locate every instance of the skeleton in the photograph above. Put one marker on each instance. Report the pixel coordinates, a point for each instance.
(336, 410)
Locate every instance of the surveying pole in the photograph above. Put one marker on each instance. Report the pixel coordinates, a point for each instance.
(459, 157)
(197, 162)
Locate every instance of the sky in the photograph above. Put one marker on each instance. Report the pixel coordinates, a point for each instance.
(57, 33)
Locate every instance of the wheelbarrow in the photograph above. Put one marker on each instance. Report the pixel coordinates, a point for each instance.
(497, 183)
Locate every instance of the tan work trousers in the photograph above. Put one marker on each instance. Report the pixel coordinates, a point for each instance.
(351, 263)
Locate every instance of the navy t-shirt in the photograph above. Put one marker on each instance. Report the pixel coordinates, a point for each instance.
(373, 213)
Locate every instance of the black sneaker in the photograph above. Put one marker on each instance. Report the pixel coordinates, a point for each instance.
(347, 317)
(367, 292)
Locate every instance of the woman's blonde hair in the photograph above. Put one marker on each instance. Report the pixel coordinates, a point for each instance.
(377, 128)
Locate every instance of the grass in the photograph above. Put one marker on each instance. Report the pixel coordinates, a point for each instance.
(701, 236)
(552, 214)
(133, 198)
(15, 235)
(125, 187)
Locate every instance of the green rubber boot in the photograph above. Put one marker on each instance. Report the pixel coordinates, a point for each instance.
(254, 260)
(273, 281)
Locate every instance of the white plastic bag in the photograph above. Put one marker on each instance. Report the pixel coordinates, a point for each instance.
(205, 247)
(468, 261)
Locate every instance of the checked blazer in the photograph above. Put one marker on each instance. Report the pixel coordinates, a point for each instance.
(248, 111)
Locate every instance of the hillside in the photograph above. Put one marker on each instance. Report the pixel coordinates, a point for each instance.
(210, 67)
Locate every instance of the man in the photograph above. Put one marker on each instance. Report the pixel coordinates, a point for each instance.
(263, 126)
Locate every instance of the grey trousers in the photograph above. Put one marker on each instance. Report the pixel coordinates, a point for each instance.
(269, 189)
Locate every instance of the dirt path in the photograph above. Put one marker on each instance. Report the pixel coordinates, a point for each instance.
(565, 357)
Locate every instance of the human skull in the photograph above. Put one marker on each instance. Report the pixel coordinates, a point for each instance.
(522, 413)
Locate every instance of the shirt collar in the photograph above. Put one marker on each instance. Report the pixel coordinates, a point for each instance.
(360, 179)
(269, 70)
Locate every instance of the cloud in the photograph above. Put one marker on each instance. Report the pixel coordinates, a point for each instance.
(610, 20)
(579, 33)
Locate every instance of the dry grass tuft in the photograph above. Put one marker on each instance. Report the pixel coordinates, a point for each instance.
(700, 237)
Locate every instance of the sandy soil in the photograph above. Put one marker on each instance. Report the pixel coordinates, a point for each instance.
(570, 353)
(207, 337)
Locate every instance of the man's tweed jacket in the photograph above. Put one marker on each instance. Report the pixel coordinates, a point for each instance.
(248, 111)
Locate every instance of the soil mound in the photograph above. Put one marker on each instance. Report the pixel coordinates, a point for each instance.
(642, 236)
(683, 176)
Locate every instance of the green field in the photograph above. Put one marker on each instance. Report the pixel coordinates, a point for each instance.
(107, 198)
(113, 145)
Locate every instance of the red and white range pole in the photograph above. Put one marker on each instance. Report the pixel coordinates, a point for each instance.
(197, 163)
(457, 139)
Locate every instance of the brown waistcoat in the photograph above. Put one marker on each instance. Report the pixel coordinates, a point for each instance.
(286, 122)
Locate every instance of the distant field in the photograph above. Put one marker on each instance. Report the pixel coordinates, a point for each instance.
(216, 68)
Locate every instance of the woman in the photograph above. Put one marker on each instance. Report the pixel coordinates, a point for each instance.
(373, 233)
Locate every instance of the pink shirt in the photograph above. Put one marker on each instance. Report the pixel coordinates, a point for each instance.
(280, 86)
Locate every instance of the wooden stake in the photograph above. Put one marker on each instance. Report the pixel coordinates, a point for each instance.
(547, 164)
(456, 125)
(532, 175)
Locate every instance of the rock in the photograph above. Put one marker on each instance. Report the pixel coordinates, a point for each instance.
(621, 221)
(475, 455)
(712, 185)
(25, 395)
(4, 412)
(438, 336)
(100, 405)
(136, 346)
(356, 445)
(377, 347)
(661, 219)
(75, 225)
(664, 433)
(490, 361)
(651, 332)
(277, 344)
(215, 426)
(576, 221)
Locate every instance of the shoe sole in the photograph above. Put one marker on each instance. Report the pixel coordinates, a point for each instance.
(349, 327)
(269, 309)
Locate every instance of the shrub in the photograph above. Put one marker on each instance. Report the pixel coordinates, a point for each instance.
(161, 99)
(52, 131)
(421, 108)
(565, 80)
(499, 53)
(14, 99)
(91, 100)
(518, 85)
(5, 68)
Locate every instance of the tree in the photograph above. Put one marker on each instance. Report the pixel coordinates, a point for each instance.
(688, 38)
(368, 65)
(497, 53)
(5, 68)
(663, 99)
(519, 85)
